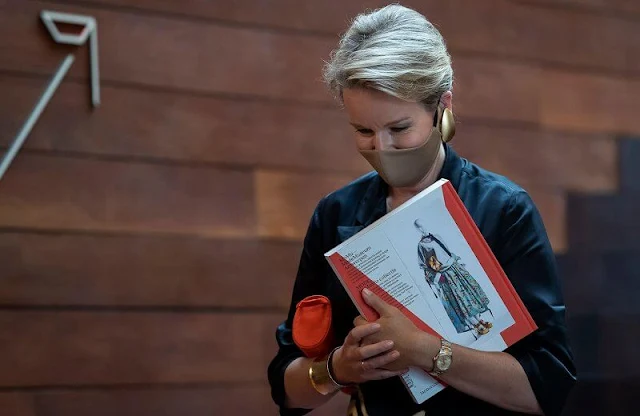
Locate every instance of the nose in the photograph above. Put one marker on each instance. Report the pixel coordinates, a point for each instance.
(382, 140)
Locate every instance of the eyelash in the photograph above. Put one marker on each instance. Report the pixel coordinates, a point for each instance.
(367, 132)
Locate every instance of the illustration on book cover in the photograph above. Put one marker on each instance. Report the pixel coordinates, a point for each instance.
(465, 306)
(459, 292)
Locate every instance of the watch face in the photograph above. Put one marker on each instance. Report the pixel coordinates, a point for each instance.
(444, 362)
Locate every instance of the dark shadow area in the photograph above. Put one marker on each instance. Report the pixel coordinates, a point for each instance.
(601, 281)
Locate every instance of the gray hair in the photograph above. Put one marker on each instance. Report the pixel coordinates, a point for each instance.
(395, 50)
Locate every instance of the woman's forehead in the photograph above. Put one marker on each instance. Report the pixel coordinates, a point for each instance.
(366, 106)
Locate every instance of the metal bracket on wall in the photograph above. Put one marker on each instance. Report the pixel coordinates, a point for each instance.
(89, 31)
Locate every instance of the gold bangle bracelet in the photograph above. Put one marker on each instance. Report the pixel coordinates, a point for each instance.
(320, 378)
(320, 375)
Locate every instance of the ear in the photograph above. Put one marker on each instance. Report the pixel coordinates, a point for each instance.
(447, 100)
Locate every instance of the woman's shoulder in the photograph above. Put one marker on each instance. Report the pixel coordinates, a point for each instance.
(481, 184)
(498, 205)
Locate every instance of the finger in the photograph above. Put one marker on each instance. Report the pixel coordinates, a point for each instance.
(372, 350)
(380, 361)
(370, 340)
(375, 302)
(356, 334)
(359, 321)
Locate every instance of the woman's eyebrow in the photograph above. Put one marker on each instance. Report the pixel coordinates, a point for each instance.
(397, 121)
(358, 126)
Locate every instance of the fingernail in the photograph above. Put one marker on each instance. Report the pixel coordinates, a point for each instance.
(366, 291)
(389, 344)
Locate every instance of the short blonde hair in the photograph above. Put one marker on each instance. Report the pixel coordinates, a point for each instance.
(395, 50)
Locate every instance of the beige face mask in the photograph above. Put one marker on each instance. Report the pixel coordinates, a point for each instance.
(407, 167)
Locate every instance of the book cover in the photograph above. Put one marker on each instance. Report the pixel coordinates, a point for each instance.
(428, 258)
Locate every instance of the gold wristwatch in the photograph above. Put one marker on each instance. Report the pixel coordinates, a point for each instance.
(443, 359)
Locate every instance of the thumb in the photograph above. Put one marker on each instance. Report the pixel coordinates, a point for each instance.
(375, 302)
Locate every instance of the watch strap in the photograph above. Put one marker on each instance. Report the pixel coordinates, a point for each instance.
(445, 349)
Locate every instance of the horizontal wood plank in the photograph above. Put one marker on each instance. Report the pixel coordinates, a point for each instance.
(190, 128)
(576, 162)
(157, 51)
(286, 201)
(554, 36)
(194, 56)
(77, 348)
(591, 103)
(112, 270)
(491, 26)
(17, 404)
(67, 193)
(598, 6)
(159, 401)
(477, 82)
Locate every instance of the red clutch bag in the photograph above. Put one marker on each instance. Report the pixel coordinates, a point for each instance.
(312, 331)
(311, 328)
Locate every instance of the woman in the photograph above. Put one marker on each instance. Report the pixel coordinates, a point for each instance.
(393, 75)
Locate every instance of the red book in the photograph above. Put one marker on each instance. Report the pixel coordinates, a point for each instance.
(428, 258)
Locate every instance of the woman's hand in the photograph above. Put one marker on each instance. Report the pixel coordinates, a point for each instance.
(353, 363)
(415, 347)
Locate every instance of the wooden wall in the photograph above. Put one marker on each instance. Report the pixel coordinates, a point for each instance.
(148, 247)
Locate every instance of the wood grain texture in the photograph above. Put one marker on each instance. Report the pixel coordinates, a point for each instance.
(170, 53)
(591, 103)
(285, 201)
(67, 193)
(16, 404)
(113, 270)
(596, 6)
(182, 127)
(575, 162)
(478, 82)
(76, 348)
(554, 36)
(502, 27)
(158, 401)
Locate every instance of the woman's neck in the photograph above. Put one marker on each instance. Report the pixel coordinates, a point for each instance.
(397, 196)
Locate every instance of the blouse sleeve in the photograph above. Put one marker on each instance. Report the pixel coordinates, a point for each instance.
(529, 262)
(310, 280)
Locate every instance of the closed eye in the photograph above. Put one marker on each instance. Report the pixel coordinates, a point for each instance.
(365, 132)
(399, 129)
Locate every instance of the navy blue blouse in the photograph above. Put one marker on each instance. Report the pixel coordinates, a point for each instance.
(513, 228)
